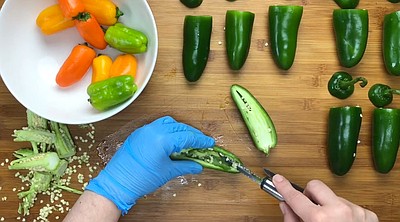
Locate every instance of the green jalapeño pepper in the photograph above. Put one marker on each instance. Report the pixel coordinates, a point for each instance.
(351, 34)
(343, 129)
(347, 4)
(238, 31)
(341, 84)
(385, 138)
(391, 43)
(192, 3)
(216, 158)
(284, 23)
(381, 95)
(126, 39)
(113, 91)
(196, 45)
(394, 1)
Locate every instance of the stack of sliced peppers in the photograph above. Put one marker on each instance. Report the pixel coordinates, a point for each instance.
(112, 82)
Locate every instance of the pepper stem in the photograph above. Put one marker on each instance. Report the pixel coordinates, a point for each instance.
(345, 84)
(393, 91)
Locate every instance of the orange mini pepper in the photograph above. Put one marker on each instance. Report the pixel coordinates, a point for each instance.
(101, 68)
(75, 66)
(71, 8)
(51, 20)
(90, 30)
(124, 64)
(105, 11)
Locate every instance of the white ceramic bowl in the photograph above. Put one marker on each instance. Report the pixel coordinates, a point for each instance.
(30, 60)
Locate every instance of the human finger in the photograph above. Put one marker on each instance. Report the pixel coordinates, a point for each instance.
(320, 192)
(298, 202)
(187, 139)
(288, 214)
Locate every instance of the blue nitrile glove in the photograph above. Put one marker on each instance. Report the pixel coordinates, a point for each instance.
(142, 164)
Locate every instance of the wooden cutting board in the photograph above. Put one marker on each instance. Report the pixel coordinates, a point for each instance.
(297, 100)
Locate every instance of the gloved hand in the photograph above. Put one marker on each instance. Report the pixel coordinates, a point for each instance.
(142, 164)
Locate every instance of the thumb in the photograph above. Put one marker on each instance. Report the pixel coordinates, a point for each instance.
(183, 167)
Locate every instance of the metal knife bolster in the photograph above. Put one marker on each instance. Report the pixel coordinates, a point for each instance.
(268, 186)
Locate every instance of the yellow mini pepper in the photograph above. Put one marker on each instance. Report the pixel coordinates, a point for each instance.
(124, 64)
(101, 68)
(52, 20)
(105, 11)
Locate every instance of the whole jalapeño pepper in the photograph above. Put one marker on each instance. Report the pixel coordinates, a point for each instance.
(391, 43)
(341, 84)
(385, 138)
(196, 45)
(381, 95)
(51, 20)
(344, 125)
(111, 92)
(238, 31)
(351, 34)
(347, 4)
(284, 23)
(126, 39)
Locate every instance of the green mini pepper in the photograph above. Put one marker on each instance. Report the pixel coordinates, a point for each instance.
(344, 125)
(126, 39)
(381, 95)
(351, 34)
(341, 84)
(284, 23)
(238, 31)
(196, 45)
(108, 93)
(385, 138)
(391, 43)
(347, 4)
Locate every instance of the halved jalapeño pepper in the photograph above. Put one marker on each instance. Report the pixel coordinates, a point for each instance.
(347, 4)
(238, 31)
(257, 120)
(391, 43)
(213, 158)
(196, 45)
(284, 23)
(343, 129)
(351, 34)
(385, 138)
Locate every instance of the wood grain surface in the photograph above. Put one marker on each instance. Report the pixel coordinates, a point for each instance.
(297, 100)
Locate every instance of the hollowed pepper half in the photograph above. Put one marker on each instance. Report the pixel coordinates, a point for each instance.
(385, 138)
(196, 45)
(284, 23)
(126, 39)
(344, 125)
(391, 43)
(238, 31)
(111, 92)
(381, 95)
(351, 34)
(341, 84)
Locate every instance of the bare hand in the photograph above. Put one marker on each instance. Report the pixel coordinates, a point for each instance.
(299, 207)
